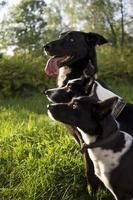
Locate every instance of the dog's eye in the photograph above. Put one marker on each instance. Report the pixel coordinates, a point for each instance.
(71, 39)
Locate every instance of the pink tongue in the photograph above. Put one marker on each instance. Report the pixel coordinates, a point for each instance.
(52, 65)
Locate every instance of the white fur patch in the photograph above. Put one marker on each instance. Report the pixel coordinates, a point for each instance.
(106, 160)
(104, 93)
(87, 139)
(50, 115)
(63, 71)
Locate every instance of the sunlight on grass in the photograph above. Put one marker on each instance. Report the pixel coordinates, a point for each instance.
(38, 159)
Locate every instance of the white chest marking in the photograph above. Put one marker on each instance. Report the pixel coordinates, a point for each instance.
(103, 93)
(106, 160)
(63, 71)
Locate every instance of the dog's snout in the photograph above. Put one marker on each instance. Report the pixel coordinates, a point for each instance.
(48, 46)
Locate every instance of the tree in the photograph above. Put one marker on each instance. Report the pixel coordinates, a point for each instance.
(107, 17)
(27, 25)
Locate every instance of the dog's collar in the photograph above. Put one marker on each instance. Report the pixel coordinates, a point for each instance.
(118, 108)
(99, 142)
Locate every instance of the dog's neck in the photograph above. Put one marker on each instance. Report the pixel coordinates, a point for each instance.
(75, 70)
(108, 126)
(103, 134)
(109, 132)
(83, 63)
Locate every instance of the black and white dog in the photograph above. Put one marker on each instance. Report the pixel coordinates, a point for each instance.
(123, 112)
(110, 149)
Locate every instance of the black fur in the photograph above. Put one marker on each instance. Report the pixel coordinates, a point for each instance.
(81, 47)
(125, 119)
(82, 87)
(121, 178)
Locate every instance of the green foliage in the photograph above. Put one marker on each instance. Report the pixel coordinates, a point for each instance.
(106, 17)
(115, 63)
(38, 160)
(23, 75)
(30, 23)
(27, 25)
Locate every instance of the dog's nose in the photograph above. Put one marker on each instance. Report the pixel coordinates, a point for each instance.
(48, 46)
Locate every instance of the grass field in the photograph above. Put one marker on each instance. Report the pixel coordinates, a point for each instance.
(38, 158)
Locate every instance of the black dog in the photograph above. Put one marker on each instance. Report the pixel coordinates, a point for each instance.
(71, 54)
(79, 87)
(110, 149)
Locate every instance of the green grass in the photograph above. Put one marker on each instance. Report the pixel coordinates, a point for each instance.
(38, 158)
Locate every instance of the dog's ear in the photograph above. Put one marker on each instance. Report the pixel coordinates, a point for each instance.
(95, 38)
(104, 108)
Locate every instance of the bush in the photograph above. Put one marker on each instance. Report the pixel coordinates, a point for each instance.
(23, 75)
(115, 62)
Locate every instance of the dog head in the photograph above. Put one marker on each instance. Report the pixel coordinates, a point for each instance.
(74, 88)
(70, 48)
(83, 112)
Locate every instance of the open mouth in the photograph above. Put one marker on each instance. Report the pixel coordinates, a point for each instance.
(53, 64)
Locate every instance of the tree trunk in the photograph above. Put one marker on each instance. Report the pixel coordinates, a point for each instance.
(122, 23)
(114, 36)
